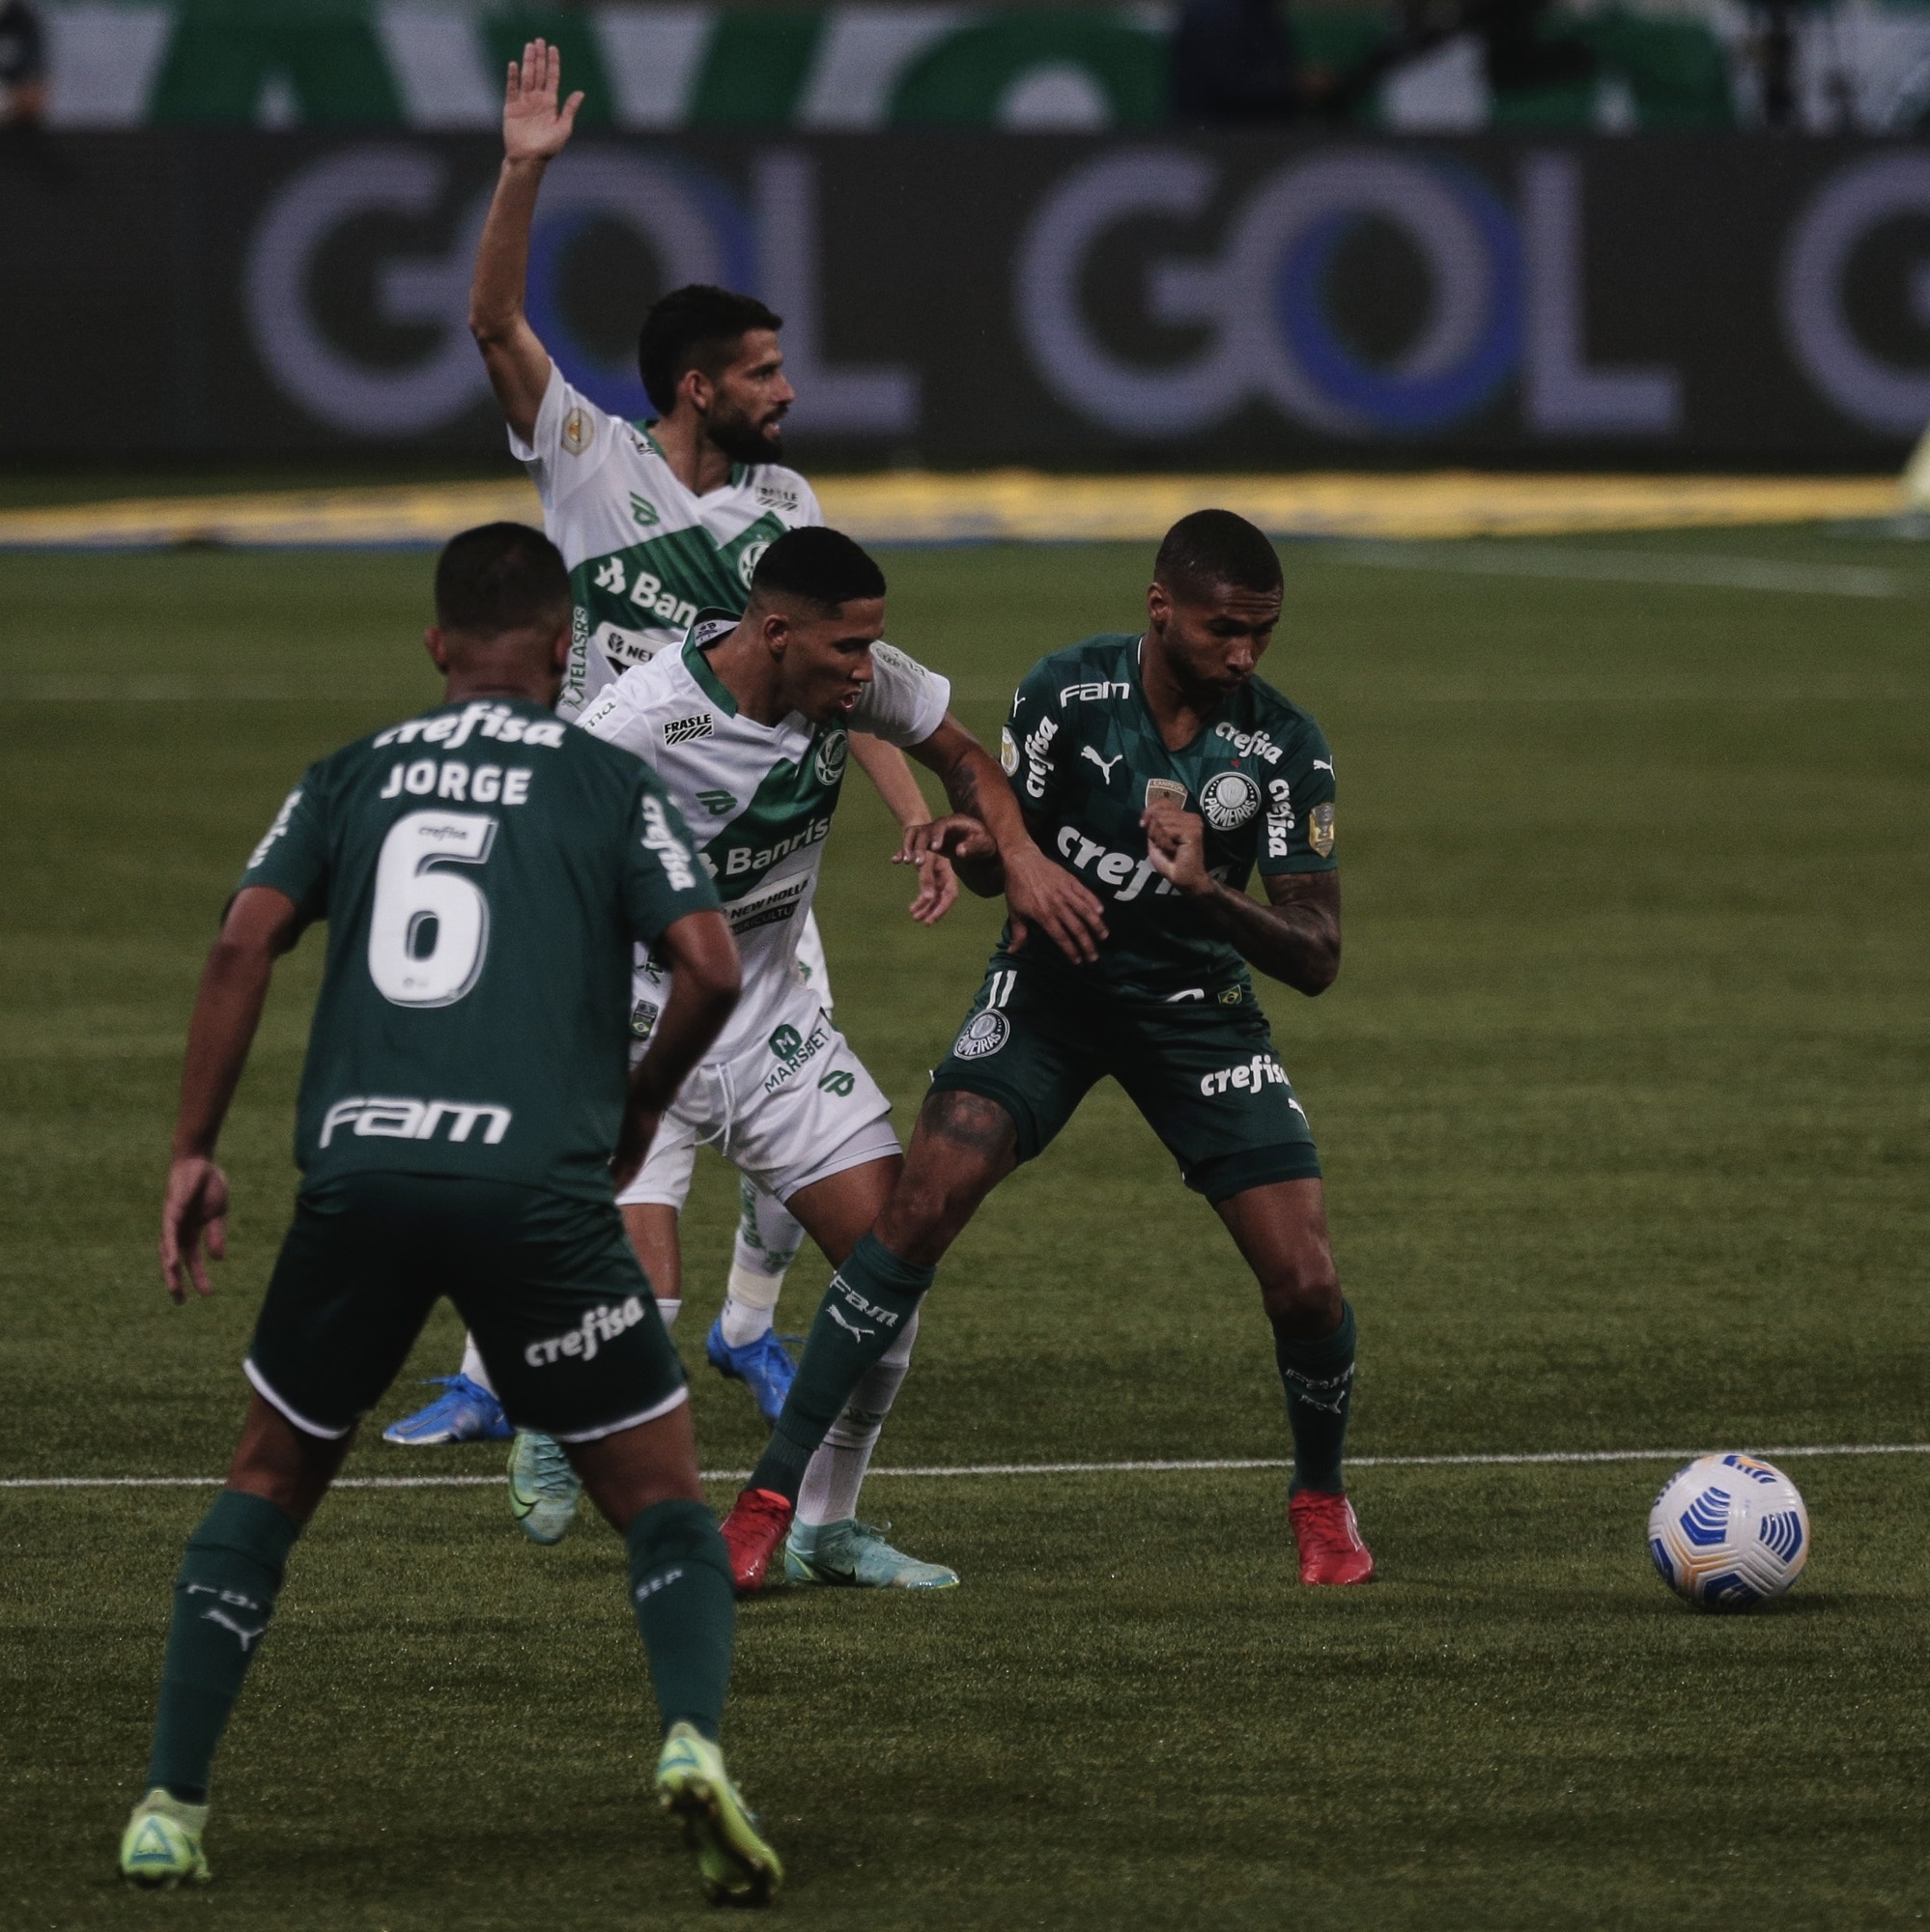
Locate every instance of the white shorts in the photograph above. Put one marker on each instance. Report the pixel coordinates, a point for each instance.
(797, 1108)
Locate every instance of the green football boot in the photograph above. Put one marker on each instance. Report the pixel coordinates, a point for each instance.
(736, 1865)
(856, 1554)
(542, 1487)
(161, 1846)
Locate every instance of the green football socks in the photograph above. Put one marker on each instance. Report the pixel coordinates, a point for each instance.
(222, 1598)
(686, 1609)
(1319, 1379)
(864, 1310)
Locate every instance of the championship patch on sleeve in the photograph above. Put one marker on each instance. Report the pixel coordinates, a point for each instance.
(1320, 829)
(1008, 750)
(578, 430)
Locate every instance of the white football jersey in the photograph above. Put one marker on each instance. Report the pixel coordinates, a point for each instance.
(645, 556)
(757, 798)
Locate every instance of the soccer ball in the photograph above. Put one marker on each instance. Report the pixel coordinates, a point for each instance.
(1729, 1531)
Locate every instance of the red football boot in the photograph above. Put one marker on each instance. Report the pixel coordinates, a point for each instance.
(1331, 1550)
(751, 1533)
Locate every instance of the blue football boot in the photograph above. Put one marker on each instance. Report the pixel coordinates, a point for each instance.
(465, 1413)
(764, 1366)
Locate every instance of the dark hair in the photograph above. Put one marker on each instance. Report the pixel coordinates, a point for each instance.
(500, 576)
(1213, 550)
(694, 327)
(822, 565)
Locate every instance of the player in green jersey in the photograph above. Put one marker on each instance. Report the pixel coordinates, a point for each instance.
(1161, 772)
(467, 1109)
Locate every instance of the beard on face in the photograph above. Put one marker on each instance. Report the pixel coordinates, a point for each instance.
(740, 435)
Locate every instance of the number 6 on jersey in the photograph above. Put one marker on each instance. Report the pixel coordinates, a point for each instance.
(429, 931)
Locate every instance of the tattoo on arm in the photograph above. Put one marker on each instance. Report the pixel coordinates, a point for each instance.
(1296, 937)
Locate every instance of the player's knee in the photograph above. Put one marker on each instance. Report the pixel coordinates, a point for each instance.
(1302, 1293)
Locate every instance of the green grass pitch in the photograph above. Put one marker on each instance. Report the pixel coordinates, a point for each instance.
(1622, 1098)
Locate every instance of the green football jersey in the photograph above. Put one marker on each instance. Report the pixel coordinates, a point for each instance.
(486, 872)
(1087, 759)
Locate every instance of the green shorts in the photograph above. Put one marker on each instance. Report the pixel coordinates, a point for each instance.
(563, 1314)
(1201, 1071)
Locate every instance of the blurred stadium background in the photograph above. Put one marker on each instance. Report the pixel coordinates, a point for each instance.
(1583, 346)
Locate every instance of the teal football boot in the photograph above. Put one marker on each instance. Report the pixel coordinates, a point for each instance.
(542, 1487)
(855, 1555)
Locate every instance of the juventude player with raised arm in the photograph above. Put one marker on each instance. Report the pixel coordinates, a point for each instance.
(756, 713)
(485, 873)
(1161, 772)
(657, 522)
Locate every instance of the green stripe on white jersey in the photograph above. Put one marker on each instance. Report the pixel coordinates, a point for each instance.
(758, 798)
(644, 554)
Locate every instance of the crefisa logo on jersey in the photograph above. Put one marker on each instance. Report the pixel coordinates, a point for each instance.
(983, 1036)
(828, 762)
(1228, 799)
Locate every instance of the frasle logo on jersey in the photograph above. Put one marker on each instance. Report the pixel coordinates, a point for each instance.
(599, 1325)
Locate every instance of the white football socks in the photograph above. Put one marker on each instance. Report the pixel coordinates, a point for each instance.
(751, 1305)
(473, 1363)
(837, 1473)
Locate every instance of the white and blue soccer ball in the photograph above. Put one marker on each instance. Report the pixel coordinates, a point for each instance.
(1728, 1532)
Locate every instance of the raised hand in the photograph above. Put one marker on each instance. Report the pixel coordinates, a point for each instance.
(534, 128)
(195, 1209)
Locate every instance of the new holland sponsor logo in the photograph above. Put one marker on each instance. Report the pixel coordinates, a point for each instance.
(600, 1326)
(379, 1118)
(1250, 744)
(768, 906)
(681, 730)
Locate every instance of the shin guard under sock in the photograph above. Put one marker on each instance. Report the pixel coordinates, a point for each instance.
(870, 1301)
(222, 1598)
(1319, 1379)
(686, 1610)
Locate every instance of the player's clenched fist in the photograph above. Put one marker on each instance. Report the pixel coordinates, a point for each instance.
(1176, 841)
(534, 128)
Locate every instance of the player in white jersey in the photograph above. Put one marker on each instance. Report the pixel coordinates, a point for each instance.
(655, 524)
(748, 726)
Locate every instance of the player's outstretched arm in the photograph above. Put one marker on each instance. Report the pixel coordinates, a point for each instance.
(885, 767)
(261, 926)
(705, 978)
(534, 132)
(1296, 937)
(1038, 893)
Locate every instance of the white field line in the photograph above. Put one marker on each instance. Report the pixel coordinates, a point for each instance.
(1690, 570)
(1556, 1456)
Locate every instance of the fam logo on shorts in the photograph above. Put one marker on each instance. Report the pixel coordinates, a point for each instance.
(983, 1036)
(828, 763)
(1228, 799)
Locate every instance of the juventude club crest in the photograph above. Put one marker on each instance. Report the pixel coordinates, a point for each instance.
(984, 1033)
(833, 748)
(1228, 799)
(746, 560)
